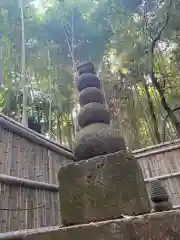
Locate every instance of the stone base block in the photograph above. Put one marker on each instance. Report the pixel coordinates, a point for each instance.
(156, 226)
(102, 188)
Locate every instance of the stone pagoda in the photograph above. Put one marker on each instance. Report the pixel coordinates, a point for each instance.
(106, 182)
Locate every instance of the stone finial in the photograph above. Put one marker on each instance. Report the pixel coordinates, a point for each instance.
(96, 136)
(159, 197)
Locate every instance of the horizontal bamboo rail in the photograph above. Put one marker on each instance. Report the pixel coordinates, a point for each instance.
(155, 151)
(152, 147)
(21, 182)
(162, 177)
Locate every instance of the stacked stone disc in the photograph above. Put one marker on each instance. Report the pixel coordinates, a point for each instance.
(96, 137)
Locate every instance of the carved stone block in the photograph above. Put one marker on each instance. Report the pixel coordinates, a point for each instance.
(102, 188)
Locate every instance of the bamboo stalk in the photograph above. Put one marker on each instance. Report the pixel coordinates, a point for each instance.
(154, 152)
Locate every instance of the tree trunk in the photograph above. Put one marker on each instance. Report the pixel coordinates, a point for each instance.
(23, 69)
(59, 135)
(150, 139)
(1, 61)
(50, 97)
(153, 115)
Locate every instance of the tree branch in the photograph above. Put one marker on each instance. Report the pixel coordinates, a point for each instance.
(158, 36)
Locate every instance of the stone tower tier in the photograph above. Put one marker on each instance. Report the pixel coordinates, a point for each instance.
(87, 80)
(93, 113)
(97, 139)
(91, 94)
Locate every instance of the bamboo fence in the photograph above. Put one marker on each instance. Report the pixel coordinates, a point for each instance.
(162, 162)
(29, 166)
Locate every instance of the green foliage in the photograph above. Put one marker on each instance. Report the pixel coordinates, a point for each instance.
(113, 33)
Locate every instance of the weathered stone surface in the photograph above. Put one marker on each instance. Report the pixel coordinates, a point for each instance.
(156, 226)
(87, 80)
(102, 188)
(89, 95)
(97, 139)
(157, 191)
(86, 67)
(93, 113)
